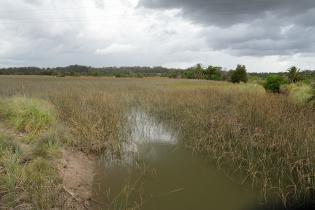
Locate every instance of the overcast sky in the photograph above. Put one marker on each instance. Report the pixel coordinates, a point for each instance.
(265, 35)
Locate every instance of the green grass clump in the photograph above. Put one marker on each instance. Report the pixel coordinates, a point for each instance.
(12, 180)
(48, 145)
(298, 93)
(26, 185)
(28, 115)
(43, 184)
(7, 144)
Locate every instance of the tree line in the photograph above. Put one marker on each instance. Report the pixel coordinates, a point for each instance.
(78, 70)
(272, 82)
(239, 74)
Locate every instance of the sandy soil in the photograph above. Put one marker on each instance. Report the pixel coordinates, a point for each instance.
(77, 172)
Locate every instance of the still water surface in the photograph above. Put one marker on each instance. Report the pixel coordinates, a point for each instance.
(158, 173)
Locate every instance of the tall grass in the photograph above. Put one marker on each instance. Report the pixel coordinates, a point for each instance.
(28, 181)
(27, 115)
(95, 119)
(32, 185)
(265, 139)
(299, 93)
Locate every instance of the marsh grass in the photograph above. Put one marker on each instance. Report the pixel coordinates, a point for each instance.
(31, 116)
(28, 181)
(265, 140)
(48, 144)
(6, 144)
(298, 93)
(95, 119)
(43, 184)
(32, 185)
(131, 195)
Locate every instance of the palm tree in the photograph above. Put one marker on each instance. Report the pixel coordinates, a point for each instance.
(294, 74)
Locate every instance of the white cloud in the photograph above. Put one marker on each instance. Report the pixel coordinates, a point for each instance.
(115, 48)
(118, 32)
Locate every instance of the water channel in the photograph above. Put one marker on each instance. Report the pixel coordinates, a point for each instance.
(158, 173)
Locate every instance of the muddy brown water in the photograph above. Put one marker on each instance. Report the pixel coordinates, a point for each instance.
(158, 173)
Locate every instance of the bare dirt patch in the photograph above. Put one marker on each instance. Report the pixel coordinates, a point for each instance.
(77, 172)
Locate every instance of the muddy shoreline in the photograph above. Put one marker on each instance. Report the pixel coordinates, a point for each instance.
(77, 172)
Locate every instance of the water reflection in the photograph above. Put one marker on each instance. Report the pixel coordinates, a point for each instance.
(157, 173)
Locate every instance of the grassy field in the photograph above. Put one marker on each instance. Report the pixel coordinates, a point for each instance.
(264, 140)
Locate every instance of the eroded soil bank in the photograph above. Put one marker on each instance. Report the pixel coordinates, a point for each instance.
(75, 168)
(77, 172)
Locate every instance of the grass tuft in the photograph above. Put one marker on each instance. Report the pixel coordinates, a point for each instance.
(43, 184)
(28, 115)
(31, 185)
(298, 93)
(48, 144)
(6, 144)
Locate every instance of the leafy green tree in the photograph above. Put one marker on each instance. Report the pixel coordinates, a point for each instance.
(199, 72)
(213, 73)
(294, 74)
(239, 74)
(273, 83)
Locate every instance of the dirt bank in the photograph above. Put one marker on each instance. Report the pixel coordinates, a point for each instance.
(77, 172)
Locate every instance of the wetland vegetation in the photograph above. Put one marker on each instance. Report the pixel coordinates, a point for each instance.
(261, 142)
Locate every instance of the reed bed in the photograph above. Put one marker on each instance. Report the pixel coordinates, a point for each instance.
(265, 140)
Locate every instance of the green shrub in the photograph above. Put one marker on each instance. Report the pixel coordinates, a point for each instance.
(239, 74)
(213, 73)
(28, 115)
(273, 83)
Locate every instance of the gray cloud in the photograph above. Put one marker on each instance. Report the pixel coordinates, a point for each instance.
(230, 12)
(250, 27)
(51, 33)
(275, 33)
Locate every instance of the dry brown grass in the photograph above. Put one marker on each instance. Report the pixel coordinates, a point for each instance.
(265, 139)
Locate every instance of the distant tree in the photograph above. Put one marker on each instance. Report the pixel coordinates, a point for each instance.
(225, 75)
(188, 74)
(172, 74)
(199, 72)
(239, 74)
(273, 83)
(294, 74)
(198, 66)
(213, 73)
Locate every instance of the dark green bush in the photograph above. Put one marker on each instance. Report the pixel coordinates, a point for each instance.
(239, 74)
(273, 83)
(213, 73)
